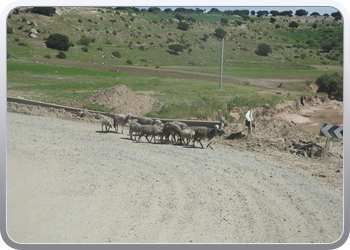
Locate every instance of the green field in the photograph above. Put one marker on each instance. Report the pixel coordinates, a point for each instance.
(182, 98)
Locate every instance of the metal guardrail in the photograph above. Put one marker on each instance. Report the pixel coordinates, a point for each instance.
(50, 105)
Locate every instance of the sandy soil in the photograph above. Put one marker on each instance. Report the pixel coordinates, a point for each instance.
(69, 182)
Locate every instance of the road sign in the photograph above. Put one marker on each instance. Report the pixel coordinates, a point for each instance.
(333, 131)
(249, 115)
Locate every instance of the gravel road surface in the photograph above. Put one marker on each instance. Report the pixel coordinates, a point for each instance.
(68, 182)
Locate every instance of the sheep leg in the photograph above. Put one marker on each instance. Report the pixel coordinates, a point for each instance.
(147, 138)
(139, 137)
(154, 139)
(200, 143)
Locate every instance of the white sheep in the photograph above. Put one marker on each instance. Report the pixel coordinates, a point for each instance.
(205, 133)
(134, 128)
(119, 119)
(107, 124)
(151, 130)
(148, 121)
(187, 135)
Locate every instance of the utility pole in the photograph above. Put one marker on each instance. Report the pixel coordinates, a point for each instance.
(222, 58)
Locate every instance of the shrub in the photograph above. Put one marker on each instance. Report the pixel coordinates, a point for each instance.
(332, 84)
(9, 30)
(272, 20)
(176, 48)
(61, 55)
(303, 56)
(224, 21)
(191, 19)
(142, 48)
(84, 41)
(47, 56)
(183, 26)
(84, 49)
(169, 40)
(20, 27)
(263, 49)
(58, 41)
(205, 38)
(22, 44)
(128, 61)
(116, 54)
(238, 22)
(179, 17)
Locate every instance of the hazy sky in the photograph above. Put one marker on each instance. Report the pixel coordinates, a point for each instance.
(320, 10)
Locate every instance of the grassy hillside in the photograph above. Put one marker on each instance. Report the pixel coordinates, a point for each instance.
(297, 56)
(144, 39)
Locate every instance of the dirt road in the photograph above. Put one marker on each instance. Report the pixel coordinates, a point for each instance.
(68, 182)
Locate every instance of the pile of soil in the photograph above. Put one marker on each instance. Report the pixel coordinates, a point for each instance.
(123, 100)
(274, 134)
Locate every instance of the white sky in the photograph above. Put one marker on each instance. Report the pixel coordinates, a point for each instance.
(320, 10)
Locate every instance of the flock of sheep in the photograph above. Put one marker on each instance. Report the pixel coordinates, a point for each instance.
(179, 132)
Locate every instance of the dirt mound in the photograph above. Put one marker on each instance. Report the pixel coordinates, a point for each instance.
(123, 100)
(271, 128)
(274, 134)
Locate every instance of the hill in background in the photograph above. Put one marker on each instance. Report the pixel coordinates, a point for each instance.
(120, 37)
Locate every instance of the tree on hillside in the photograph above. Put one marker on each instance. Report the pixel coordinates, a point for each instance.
(337, 15)
(220, 33)
(180, 10)
(199, 11)
(58, 41)
(301, 12)
(272, 20)
(154, 10)
(274, 12)
(288, 13)
(262, 13)
(315, 14)
(168, 10)
(263, 49)
(293, 24)
(252, 12)
(332, 84)
(47, 11)
(214, 11)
